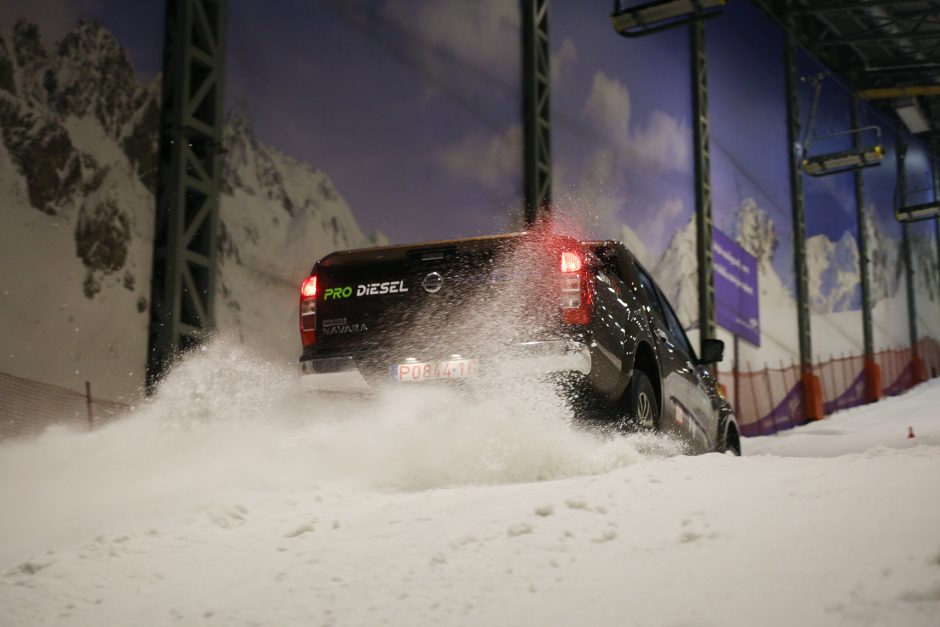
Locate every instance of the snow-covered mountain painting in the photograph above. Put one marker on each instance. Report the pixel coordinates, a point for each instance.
(278, 216)
(675, 270)
(78, 177)
(926, 279)
(833, 273)
(888, 280)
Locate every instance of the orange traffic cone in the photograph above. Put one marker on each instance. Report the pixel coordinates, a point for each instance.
(910, 432)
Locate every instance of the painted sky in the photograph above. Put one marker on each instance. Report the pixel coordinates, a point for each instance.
(747, 108)
(829, 200)
(622, 137)
(880, 181)
(918, 172)
(411, 107)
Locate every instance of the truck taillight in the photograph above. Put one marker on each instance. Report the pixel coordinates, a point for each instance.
(570, 262)
(577, 304)
(308, 311)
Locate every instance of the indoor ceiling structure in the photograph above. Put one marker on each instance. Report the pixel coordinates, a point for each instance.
(888, 50)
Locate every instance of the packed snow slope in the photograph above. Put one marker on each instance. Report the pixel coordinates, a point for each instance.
(235, 498)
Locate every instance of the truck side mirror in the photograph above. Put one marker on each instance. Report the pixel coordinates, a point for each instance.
(713, 351)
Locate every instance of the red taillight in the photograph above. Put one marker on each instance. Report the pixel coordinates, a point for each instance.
(308, 311)
(309, 287)
(570, 261)
(577, 305)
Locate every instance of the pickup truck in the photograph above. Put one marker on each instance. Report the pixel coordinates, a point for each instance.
(584, 314)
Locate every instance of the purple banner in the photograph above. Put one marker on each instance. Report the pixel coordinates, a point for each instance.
(736, 293)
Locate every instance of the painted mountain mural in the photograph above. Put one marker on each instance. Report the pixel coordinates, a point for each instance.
(833, 272)
(78, 175)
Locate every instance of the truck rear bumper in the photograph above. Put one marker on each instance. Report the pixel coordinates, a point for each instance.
(333, 374)
(342, 373)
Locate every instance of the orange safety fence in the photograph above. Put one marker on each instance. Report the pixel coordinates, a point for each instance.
(771, 399)
(765, 401)
(28, 407)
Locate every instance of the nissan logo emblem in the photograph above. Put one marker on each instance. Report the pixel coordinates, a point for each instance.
(432, 282)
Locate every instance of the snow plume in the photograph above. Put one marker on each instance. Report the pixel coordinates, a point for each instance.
(625, 165)
(225, 421)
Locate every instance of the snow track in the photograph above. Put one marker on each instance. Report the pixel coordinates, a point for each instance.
(233, 497)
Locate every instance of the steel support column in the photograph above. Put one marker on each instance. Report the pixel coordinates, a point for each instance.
(813, 408)
(798, 209)
(906, 243)
(536, 73)
(935, 175)
(703, 189)
(864, 272)
(184, 259)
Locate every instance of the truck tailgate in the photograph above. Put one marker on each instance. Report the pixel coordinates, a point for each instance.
(448, 297)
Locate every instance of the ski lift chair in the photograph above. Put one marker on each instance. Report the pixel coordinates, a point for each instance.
(917, 213)
(845, 160)
(837, 162)
(906, 211)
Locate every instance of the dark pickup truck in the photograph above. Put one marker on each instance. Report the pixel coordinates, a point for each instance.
(585, 314)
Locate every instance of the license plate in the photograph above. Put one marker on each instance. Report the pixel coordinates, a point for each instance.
(427, 370)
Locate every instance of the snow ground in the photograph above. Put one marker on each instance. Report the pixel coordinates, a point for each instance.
(235, 498)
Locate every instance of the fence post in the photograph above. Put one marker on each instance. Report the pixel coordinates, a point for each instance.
(757, 416)
(770, 393)
(737, 374)
(91, 415)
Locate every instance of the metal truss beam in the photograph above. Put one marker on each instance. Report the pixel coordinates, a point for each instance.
(911, 67)
(839, 6)
(184, 259)
(872, 37)
(883, 93)
(862, 232)
(536, 73)
(797, 206)
(703, 193)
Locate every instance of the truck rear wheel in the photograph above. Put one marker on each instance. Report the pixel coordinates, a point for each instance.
(641, 409)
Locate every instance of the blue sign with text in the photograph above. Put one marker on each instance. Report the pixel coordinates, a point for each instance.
(736, 293)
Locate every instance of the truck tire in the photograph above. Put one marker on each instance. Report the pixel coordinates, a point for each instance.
(641, 410)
